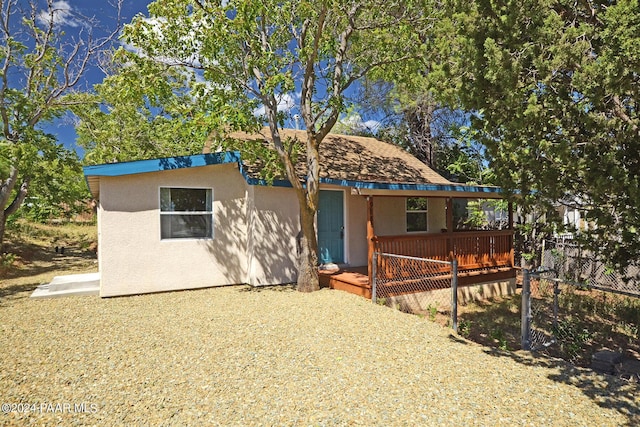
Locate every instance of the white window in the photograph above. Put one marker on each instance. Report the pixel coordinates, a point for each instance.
(416, 214)
(186, 213)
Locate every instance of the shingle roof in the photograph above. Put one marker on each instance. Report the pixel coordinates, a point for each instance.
(371, 166)
(355, 158)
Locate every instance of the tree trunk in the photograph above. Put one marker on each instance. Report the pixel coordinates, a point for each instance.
(3, 223)
(308, 280)
(5, 192)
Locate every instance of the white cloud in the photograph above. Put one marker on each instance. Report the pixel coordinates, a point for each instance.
(286, 103)
(61, 14)
(354, 123)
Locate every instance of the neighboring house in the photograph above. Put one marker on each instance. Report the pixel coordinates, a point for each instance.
(209, 220)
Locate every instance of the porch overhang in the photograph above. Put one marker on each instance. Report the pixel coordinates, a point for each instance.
(418, 189)
(428, 193)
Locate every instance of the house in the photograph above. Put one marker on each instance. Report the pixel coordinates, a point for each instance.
(209, 220)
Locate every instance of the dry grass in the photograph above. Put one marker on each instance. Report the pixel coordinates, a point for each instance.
(30, 258)
(604, 321)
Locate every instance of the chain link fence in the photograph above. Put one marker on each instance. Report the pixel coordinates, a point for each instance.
(582, 268)
(416, 285)
(572, 321)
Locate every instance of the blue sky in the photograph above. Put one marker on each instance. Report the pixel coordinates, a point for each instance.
(69, 15)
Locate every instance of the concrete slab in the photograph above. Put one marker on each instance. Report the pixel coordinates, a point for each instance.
(75, 284)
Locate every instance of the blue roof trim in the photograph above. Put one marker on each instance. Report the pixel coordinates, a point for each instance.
(181, 162)
(157, 165)
(258, 181)
(412, 187)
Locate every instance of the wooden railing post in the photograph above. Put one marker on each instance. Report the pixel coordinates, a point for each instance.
(370, 238)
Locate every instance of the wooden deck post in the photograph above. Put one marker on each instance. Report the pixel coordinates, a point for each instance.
(370, 237)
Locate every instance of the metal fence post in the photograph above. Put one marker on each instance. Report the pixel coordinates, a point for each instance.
(454, 295)
(556, 292)
(374, 263)
(525, 340)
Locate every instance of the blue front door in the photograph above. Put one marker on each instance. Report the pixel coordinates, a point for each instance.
(331, 227)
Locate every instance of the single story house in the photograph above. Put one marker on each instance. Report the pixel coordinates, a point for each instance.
(209, 220)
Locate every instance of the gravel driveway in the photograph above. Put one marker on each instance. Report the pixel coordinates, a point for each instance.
(242, 357)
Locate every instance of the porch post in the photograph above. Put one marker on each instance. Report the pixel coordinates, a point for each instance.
(370, 237)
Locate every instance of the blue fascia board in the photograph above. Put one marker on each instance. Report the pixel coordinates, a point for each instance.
(412, 186)
(157, 165)
(180, 162)
(259, 181)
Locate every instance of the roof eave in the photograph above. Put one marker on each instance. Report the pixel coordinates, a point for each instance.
(93, 173)
(409, 189)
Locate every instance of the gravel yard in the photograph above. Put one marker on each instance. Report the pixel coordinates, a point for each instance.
(241, 357)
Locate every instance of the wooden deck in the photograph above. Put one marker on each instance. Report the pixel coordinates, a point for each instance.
(483, 257)
(355, 280)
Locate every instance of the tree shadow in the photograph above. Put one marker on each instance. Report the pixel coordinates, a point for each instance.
(492, 323)
(35, 261)
(496, 323)
(47, 261)
(17, 291)
(255, 236)
(287, 287)
(607, 391)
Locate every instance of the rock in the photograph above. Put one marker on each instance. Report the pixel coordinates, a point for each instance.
(607, 361)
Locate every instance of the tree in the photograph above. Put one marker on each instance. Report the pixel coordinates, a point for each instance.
(39, 68)
(143, 109)
(255, 54)
(554, 89)
(413, 117)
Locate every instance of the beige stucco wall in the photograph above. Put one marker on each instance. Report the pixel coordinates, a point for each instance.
(273, 226)
(389, 215)
(133, 259)
(437, 215)
(255, 232)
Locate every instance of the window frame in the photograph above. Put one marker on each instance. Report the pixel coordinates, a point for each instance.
(209, 195)
(408, 211)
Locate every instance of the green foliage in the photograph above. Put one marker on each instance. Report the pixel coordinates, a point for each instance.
(7, 259)
(41, 66)
(553, 87)
(145, 109)
(419, 121)
(433, 311)
(498, 335)
(572, 337)
(464, 328)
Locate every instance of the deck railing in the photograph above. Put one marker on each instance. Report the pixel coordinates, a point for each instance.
(472, 249)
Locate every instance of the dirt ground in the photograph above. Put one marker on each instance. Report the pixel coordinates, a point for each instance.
(497, 323)
(33, 254)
